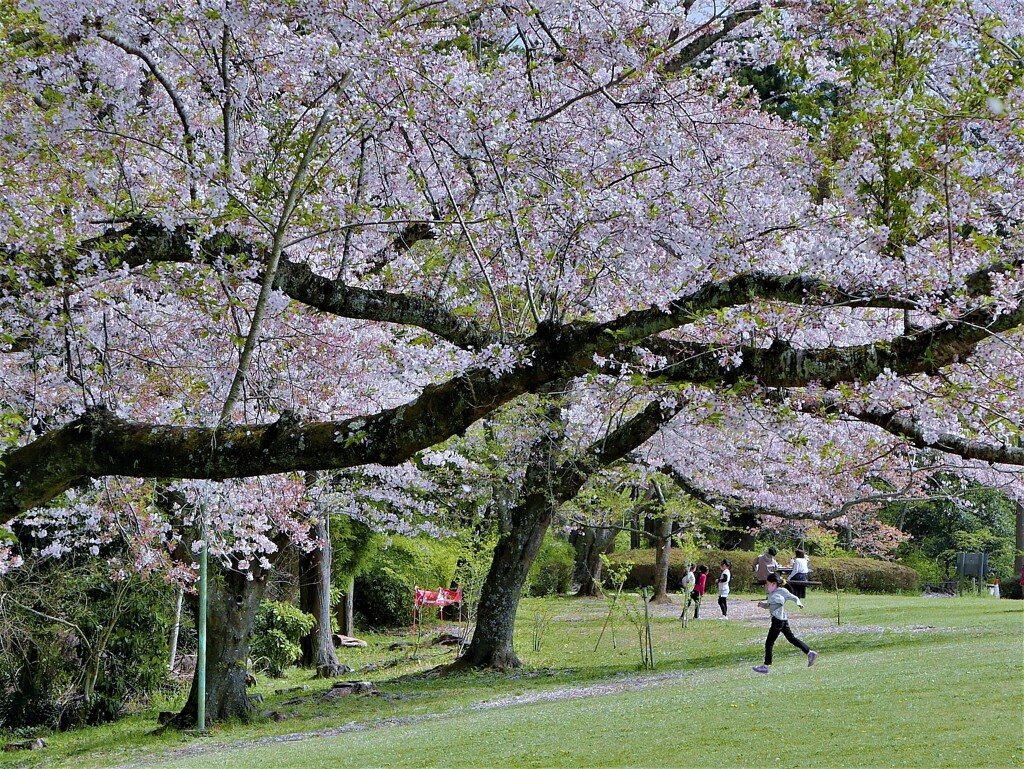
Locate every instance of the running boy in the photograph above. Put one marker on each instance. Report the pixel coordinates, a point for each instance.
(776, 603)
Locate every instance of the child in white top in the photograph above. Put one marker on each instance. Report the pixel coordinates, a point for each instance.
(723, 588)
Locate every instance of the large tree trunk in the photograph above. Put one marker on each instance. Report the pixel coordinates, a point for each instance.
(663, 549)
(232, 604)
(596, 542)
(521, 538)
(315, 598)
(546, 486)
(514, 554)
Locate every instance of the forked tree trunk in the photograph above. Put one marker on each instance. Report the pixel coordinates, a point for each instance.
(546, 486)
(517, 548)
(315, 598)
(232, 604)
(597, 542)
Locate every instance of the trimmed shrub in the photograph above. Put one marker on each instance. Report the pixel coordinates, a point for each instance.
(276, 634)
(551, 572)
(860, 574)
(383, 597)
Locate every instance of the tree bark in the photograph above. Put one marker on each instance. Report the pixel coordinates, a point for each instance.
(345, 610)
(492, 644)
(520, 541)
(663, 549)
(315, 598)
(1018, 560)
(232, 604)
(596, 542)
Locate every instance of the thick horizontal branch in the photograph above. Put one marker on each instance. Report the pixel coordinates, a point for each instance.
(782, 365)
(144, 243)
(100, 445)
(297, 281)
(910, 429)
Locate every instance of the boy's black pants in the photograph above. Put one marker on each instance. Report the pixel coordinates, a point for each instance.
(781, 626)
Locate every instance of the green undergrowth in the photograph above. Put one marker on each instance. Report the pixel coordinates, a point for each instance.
(903, 682)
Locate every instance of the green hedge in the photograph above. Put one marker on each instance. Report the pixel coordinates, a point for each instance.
(1009, 587)
(861, 574)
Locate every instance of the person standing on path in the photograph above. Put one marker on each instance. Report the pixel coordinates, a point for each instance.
(776, 603)
(699, 589)
(689, 583)
(764, 565)
(723, 588)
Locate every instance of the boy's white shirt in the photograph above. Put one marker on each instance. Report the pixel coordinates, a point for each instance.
(776, 602)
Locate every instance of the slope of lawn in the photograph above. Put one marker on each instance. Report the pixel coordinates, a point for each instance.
(902, 682)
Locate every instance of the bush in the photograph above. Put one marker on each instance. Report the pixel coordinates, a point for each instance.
(1009, 587)
(384, 591)
(861, 574)
(928, 568)
(551, 572)
(276, 634)
(383, 598)
(113, 632)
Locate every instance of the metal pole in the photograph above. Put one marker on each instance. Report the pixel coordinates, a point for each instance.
(201, 655)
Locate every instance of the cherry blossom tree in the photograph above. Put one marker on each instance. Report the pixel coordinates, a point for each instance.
(248, 241)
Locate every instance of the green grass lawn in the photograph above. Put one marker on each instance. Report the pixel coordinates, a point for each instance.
(904, 682)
